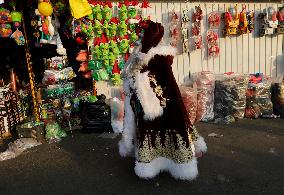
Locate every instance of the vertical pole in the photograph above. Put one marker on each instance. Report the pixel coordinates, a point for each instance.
(30, 68)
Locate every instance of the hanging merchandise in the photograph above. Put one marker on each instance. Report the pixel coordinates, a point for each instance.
(212, 41)
(5, 16)
(246, 21)
(280, 15)
(269, 22)
(230, 97)
(80, 8)
(174, 29)
(5, 30)
(258, 103)
(214, 20)
(232, 21)
(184, 30)
(196, 27)
(110, 38)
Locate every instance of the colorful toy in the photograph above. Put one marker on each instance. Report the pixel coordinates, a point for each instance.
(124, 46)
(98, 28)
(113, 28)
(97, 12)
(122, 28)
(232, 21)
(45, 8)
(196, 27)
(114, 48)
(246, 21)
(122, 12)
(280, 28)
(18, 37)
(5, 30)
(212, 41)
(107, 12)
(184, 30)
(5, 16)
(214, 20)
(269, 22)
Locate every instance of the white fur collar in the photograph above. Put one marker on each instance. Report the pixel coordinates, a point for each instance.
(161, 49)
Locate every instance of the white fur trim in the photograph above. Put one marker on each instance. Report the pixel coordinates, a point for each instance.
(200, 145)
(61, 51)
(126, 146)
(117, 126)
(133, 21)
(150, 103)
(183, 171)
(162, 50)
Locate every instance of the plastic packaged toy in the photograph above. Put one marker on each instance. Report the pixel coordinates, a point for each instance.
(232, 21)
(269, 22)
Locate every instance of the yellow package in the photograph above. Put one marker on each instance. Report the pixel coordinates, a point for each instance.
(80, 8)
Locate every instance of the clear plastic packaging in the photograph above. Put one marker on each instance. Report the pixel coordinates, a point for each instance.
(54, 76)
(258, 95)
(54, 133)
(205, 82)
(230, 97)
(117, 114)
(189, 96)
(17, 147)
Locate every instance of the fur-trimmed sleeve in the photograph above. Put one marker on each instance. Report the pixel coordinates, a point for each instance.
(147, 97)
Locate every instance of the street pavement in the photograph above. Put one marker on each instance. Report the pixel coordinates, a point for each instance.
(246, 157)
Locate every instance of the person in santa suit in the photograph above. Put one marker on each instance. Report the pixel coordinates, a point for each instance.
(157, 130)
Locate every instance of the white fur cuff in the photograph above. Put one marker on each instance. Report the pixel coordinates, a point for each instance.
(200, 145)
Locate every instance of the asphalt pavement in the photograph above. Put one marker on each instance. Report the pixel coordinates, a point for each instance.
(246, 157)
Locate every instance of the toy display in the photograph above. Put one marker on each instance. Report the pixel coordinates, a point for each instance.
(184, 31)
(232, 21)
(269, 22)
(196, 27)
(110, 38)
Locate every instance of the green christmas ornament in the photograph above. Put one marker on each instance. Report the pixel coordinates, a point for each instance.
(122, 27)
(107, 13)
(97, 53)
(91, 64)
(97, 12)
(116, 80)
(111, 58)
(133, 37)
(109, 69)
(104, 50)
(98, 28)
(124, 46)
(114, 48)
(132, 12)
(112, 30)
(98, 65)
(96, 75)
(123, 13)
(106, 27)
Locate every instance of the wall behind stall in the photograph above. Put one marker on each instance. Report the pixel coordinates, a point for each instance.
(247, 53)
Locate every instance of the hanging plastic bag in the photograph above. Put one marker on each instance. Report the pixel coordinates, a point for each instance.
(230, 97)
(117, 114)
(189, 96)
(17, 147)
(205, 82)
(80, 8)
(54, 133)
(258, 95)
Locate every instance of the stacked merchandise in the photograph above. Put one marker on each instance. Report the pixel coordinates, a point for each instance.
(189, 96)
(278, 97)
(205, 82)
(230, 97)
(58, 92)
(259, 97)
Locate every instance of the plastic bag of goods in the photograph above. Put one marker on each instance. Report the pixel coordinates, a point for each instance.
(230, 97)
(258, 94)
(117, 114)
(205, 82)
(54, 133)
(277, 96)
(189, 96)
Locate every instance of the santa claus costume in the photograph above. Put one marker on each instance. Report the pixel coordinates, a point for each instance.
(157, 130)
